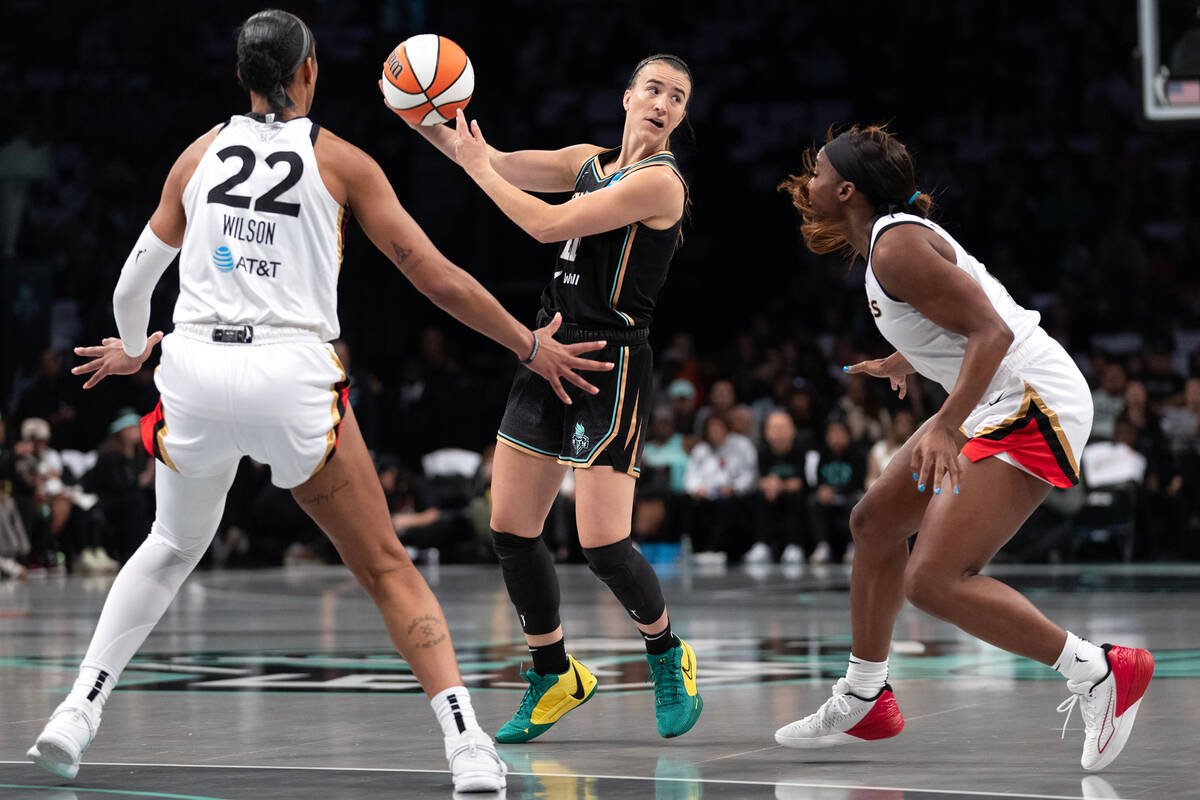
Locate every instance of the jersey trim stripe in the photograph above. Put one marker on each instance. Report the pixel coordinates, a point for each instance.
(525, 448)
(611, 433)
(341, 234)
(619, 280)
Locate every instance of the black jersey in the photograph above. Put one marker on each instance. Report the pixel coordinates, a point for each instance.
(611, 279)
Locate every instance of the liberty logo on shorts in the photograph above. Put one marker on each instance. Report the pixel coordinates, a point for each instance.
(580, 440)
(223, 259)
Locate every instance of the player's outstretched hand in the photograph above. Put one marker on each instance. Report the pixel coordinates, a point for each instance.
(470, 150)
(556, 361)
(895, 368)
(110, 359)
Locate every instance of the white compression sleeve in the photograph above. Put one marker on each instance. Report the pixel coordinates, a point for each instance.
(147, 262)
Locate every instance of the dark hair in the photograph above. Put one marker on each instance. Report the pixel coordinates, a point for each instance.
(880, 168)
(271, 46)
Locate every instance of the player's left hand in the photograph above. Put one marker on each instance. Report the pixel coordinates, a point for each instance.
(934, 457)
(470, 150)
(110, 359)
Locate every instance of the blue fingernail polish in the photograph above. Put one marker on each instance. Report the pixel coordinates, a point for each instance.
(921, 487)
(938, 490)
(845, 369)
(915, 476)
(956, 490)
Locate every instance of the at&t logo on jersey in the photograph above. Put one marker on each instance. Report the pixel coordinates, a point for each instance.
(225, 261)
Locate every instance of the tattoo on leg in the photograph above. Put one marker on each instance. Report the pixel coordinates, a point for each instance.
(324, 497)
(429, 629)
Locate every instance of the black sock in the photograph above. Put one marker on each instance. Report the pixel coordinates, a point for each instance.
(661, 642)
(550, 659)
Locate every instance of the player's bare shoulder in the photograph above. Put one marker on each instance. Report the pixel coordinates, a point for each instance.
(343, 165)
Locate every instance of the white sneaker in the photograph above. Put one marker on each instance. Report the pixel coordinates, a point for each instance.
(848, 556)
(87, 559)
(474, 764)
(845, 718)
(759, 554)
(821, 554)
(1109, 706)
(792, 554)
(709, 558)
(61, 743)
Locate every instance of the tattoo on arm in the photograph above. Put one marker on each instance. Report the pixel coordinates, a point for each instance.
(402, 254)
(324, 497)
(427, 631)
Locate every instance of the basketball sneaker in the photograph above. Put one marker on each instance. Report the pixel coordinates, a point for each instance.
(546, 700)
(1110, 705)
(677, 704)
(845, 718)
(61, 743)
(474, 764)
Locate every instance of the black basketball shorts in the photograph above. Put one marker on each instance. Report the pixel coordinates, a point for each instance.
(608, 428)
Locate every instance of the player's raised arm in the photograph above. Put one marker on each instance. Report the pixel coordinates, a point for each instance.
(397, 235)
(646, 195)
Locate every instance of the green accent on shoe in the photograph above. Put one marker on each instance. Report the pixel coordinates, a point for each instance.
(674, 709)
(521, 728)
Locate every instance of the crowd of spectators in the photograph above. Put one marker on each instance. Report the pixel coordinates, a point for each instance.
(1025, 128)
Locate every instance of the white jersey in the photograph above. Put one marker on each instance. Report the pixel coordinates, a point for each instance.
(263, 243)
(932, 350)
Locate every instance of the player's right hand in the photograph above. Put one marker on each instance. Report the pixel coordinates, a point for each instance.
(556, 361)
(895, 368)
(110, 359)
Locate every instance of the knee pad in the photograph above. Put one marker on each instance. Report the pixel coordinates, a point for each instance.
(530, 579)
(630, 577)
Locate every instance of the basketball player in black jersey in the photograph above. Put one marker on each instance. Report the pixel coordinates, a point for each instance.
(614, 240)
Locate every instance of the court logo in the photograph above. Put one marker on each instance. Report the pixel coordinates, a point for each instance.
(580, 440)
(223, 259)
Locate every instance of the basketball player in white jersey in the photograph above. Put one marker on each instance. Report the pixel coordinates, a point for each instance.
(258, 205)
(1017, 415)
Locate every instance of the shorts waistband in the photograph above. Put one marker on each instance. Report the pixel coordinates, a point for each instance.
(1035, 344)
(572, 334)
(244, 334)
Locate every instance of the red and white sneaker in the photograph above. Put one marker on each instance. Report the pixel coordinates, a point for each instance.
(1109, 706)
(845, 718)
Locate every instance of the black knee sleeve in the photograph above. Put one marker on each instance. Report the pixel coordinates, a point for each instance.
(630, 577)
(532, 584)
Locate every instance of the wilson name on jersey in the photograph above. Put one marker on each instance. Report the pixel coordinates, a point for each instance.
(932, 350)
(263, 243)
(612, 279)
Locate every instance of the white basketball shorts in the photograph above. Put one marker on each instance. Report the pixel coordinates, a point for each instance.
(279, 399)
(1036, 415)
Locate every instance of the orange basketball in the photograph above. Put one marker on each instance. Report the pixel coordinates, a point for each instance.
(427, 78)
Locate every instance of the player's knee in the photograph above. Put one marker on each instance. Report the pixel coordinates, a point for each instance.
(626, 572)
(928, 588)
(528, 570)
(376, 568)
(188, 548)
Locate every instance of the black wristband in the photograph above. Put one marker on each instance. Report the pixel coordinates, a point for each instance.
(532, 352)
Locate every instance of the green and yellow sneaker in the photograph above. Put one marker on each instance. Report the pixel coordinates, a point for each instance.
(677, 704)
(546, 700)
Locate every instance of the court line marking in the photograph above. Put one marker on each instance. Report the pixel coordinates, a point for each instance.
(167, 795)
(717, 781)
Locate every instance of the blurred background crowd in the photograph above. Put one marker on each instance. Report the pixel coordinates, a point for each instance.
(1024, 122)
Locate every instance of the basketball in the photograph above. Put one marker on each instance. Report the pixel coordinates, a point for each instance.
(427, 78)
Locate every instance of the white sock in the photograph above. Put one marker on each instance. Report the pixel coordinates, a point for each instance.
(1080, 660)
(93, 685)
(866, 678)
(454, 712)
